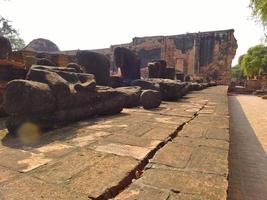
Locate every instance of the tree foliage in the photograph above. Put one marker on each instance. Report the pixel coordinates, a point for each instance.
(12, 34)
(237, 72)
(255, 61)
(259, 10)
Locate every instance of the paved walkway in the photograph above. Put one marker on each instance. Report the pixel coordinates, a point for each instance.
(178, 151)
(248, 148)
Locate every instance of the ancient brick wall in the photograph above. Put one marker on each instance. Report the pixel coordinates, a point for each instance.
(207, 54)
(201, 55)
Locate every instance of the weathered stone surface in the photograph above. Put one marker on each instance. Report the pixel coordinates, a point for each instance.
(85, 137)
(124, 150)
(28, 58)
(96, 64)
(133, 140)
(60, 96)
(158, 133)
(103, 102)
(145, 84)
(115, 81)
(10, 70)
(45, 61)
(159, 69)
(53, 149)
(104, 156)
(22, 161)
(28, 97)
(174, 155)
(175, 196)
(207, 185)
(62, 81)
(113, 168)
(5, 48)
(6, 174)
(128, 62)
(150, 99)
(169, 73)
(217, 133)
(135, 192)
(156, 69)
(67, 168)
(75, 66)
(193, 131)
(194, 86)
(41, 45)
(31, 188)
(132, 95)
(209, 160)
(58, 85)
(169, 89)
(195, 142)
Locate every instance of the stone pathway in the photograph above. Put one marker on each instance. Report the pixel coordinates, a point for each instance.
(248, 147)
(178, 151)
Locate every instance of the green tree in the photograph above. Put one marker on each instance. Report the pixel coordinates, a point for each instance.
(255, 61)
(12, 34)
(237, 72)
(259, 10)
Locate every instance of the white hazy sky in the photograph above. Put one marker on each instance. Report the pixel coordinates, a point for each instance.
(92, 24)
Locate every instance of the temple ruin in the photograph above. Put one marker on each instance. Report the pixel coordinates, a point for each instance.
(200, 55)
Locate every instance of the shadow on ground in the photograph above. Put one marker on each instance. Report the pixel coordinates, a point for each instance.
(247, 158)
(61, 134)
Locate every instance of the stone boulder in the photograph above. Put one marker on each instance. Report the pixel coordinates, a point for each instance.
(169, 73)
(194, 86)
(150, 99)
(116, 81)
(159, 69)
(5, 48)
(9, 70)
(132, 95)
(28, 97)
(212, 83)
(54, 96)
(169, 89)
(156, 69)
(96, 64)
(146, 84)
(75, 66)
(129, 64)
(45, 61)
(63, 82)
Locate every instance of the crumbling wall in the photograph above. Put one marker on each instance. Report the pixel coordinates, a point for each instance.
(200, 55)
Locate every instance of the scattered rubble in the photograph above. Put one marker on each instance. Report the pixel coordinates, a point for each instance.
(129, 64)
(5, 48)
(54, 96)
(96, 64)
(50, 89)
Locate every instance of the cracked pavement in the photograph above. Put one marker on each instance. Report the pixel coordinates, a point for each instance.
(177, 151)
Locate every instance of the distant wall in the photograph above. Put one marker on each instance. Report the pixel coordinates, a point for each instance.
(201, 55)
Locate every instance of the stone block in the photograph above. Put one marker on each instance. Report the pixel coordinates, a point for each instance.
(173, 155)
(105, 177)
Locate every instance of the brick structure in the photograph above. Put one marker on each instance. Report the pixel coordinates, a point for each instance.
(201, 55)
